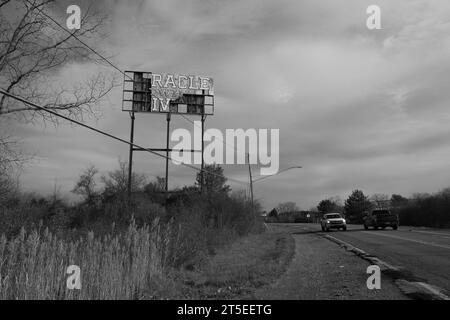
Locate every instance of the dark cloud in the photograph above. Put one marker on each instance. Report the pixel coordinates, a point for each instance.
(353, 106)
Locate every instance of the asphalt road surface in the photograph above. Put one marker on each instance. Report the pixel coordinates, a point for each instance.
(425, 253)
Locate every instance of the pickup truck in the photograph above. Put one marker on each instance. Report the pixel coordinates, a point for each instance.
(333, 221)
(380, 218)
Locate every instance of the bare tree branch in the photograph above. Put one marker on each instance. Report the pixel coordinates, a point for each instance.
(11, 157)
(33, 49)
(4, 2)
(11, 162)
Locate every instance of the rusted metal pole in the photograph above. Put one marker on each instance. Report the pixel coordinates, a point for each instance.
(202, 176)
(167, 153)
(130, 160)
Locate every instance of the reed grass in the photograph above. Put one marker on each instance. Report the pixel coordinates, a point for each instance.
(33, 265)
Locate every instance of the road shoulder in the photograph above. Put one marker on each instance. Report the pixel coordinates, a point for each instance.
(321, 270)
(404, 280)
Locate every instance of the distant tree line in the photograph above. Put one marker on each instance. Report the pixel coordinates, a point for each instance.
(425, 210)
(289, 212)
(422, 209)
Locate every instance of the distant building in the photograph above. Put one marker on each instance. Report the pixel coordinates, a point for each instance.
(272, 216)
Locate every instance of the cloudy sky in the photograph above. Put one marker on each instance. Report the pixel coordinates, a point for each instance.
(357, 108)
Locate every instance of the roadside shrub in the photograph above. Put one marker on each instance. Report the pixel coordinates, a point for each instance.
(145, 211)
(22, 215)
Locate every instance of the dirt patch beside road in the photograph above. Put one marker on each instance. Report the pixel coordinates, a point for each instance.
(321, 270)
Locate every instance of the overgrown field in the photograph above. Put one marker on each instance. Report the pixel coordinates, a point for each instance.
(147, 246)
(140, 263)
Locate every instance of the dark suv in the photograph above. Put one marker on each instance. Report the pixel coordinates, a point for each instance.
(380, 218)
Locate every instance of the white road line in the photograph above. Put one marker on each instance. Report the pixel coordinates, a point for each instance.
(403, 284)
(429, 232)
(407, 239)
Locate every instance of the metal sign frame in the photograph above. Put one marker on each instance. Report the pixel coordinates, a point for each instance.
(141, 96)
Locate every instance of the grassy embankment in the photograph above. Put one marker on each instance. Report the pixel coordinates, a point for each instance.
(139, 264)
(234, 272)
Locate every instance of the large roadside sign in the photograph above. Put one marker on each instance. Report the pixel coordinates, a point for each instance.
(167, 93)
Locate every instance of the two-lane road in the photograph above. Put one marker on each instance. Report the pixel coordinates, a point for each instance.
(423, 252)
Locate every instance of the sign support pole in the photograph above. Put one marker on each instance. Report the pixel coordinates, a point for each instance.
(203, 151)
(130, 160)
(167, 153)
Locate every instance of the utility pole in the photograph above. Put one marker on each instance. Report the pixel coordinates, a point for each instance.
(130, 160)
(251, 184)
(259, 179)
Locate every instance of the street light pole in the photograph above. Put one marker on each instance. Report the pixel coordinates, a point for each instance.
(253, 181)
(251, 184)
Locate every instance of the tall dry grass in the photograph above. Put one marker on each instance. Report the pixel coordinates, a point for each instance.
(33, 265)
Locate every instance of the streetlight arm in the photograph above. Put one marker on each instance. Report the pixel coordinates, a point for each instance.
(284, 170)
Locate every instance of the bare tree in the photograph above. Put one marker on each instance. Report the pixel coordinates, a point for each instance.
(86, 184)
(116, 182)
(8, 186)
(33, 48)
(287, 207)
(158, 185)
(11, 161)
(11, 156)
(380, 200)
